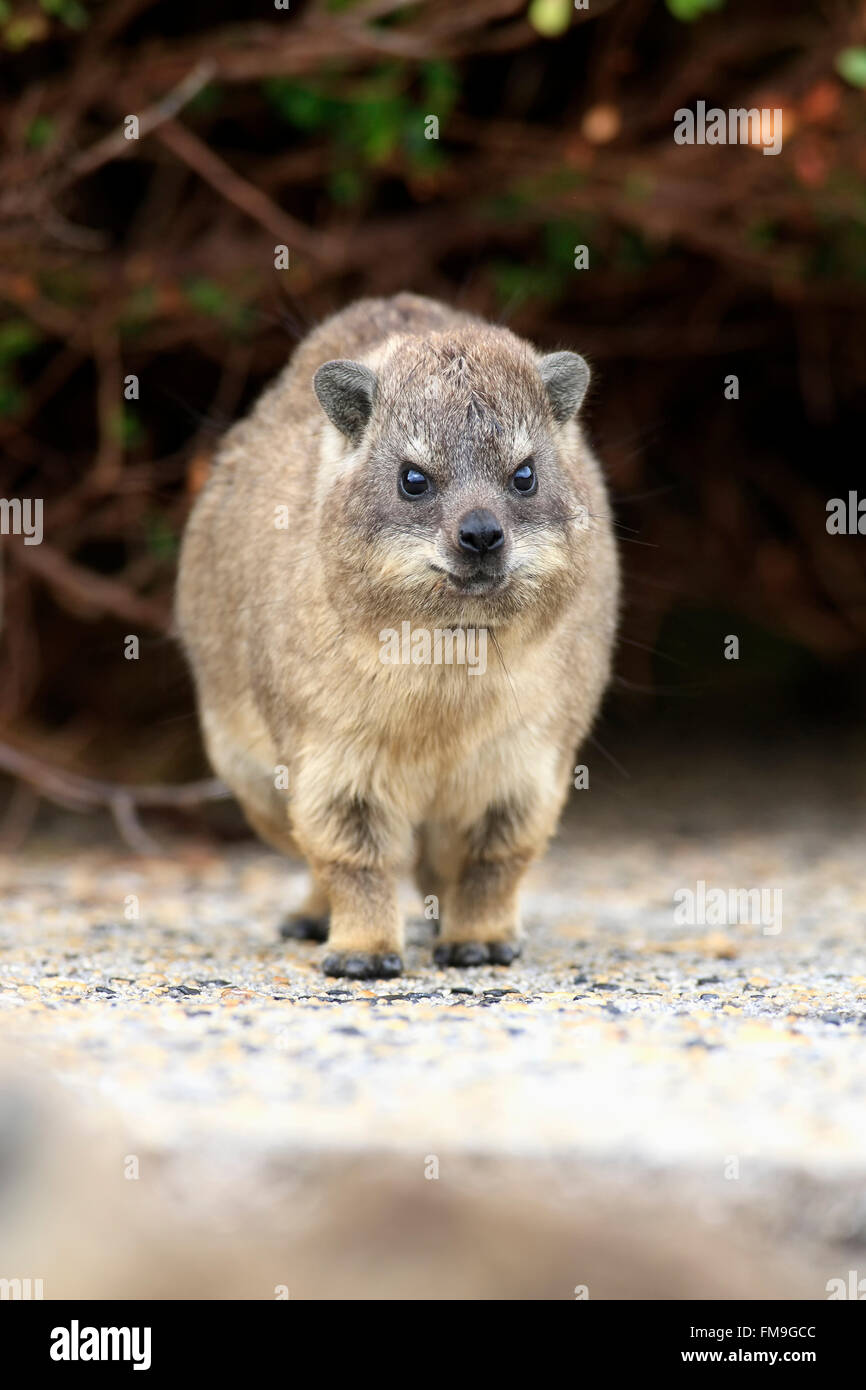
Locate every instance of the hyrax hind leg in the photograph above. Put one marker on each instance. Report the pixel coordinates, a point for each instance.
(482, 867)
(432, 846)
(312, 919)
(244, 755)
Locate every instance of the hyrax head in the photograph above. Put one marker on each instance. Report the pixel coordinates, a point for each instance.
(454, 488)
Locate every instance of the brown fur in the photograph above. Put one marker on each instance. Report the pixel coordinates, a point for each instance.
(282, 626)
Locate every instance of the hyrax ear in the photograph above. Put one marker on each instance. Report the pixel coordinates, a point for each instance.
(346, 392)
(566, 377)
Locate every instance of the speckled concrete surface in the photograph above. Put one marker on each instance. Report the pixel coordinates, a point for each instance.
(721, 1058)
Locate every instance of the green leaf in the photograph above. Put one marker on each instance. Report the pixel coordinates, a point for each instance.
(40, 132)
(690, 10)
(300, 106)
(22, 30)
(851, 64)
(377, 125)
(11, 399)
(345, 185)
(70, 12)
(207, 296)
(559, 240)
(550, 17)
(160, 539)
(515, 282)
(227, 306)
(126, 428)
(17, 337)
(441, 84)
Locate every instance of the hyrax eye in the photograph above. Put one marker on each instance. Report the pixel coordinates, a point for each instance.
(524, 479)
(414, 483)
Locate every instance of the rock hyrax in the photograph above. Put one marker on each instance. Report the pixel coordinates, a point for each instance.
(415, 482)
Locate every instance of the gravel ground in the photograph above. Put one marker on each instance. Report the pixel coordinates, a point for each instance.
(720, 1065)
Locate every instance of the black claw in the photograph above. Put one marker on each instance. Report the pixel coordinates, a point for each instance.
(469, 953)
(390, 966)
(502, 953)
(362, 965)
(300, 928)
(359, 966)
(463, 953)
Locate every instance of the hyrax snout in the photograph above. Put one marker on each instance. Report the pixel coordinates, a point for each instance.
(414, 482)
(479, 535)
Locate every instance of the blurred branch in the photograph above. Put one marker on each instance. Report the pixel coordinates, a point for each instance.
(77, 793)
(245, 196)
(76, 584)
(117, 145)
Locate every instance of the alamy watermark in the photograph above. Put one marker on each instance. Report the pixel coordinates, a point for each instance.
(846, 516)
(854, 1287)
(441, 646)
(22, 517)
(77, 1343)
(724, 907)
(738, 126)
(18, 1290)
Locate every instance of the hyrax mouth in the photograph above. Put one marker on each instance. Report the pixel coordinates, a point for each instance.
(476, 581)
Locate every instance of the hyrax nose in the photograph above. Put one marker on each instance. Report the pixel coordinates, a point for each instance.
(479, 531)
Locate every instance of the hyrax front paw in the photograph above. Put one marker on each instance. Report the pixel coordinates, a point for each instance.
(300, 927)
(463, 953)
(363, 965)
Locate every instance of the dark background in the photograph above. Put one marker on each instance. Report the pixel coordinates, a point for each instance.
(155, 257)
